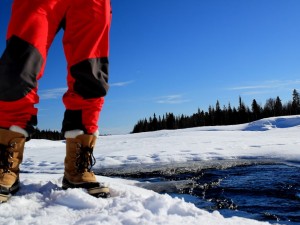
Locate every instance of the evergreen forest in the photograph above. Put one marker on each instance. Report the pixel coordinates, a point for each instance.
(226, 115)
(47, 134)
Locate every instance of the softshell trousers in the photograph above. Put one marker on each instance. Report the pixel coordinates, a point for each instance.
(32, 28)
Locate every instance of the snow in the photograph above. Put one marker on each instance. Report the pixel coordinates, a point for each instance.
(42, 201)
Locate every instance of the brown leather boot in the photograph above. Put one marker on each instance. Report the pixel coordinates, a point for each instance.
(79, 161)
(11, 155)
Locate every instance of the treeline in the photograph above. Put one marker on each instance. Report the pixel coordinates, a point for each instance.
(227, 115)
(51, 135)
(47, 134)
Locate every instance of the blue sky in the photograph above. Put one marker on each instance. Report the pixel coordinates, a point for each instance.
(178, 56)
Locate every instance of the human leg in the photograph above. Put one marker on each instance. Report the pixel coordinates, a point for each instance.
(86, 45)
(86, 48)
(31, 30)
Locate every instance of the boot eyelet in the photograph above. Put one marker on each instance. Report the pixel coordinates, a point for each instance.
(13, 144)
(78, 145)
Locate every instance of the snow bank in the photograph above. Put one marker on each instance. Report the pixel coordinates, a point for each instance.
(41, 201)
(275, 122)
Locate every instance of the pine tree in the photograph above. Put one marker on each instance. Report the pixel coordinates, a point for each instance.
(295, 102)
(278, 107)
(242, 112)
(269, 108)
(256, 109)
(218, 114)
(170, 121)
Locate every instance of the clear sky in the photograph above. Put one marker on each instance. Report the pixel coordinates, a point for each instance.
(178, 56)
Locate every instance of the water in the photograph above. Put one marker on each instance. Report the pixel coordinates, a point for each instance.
(266, 192)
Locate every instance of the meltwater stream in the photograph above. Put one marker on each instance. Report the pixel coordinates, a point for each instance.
(261, 191)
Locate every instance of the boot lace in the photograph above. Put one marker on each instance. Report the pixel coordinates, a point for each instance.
(85, 159)
(6, 155)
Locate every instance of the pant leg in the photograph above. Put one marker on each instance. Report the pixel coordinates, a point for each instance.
(31, 30)
(86, 45)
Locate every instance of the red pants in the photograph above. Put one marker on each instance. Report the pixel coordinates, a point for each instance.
(32, 28)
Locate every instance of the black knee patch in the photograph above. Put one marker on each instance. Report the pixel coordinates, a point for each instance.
(72, 121)
(91, 77)
(20, 65)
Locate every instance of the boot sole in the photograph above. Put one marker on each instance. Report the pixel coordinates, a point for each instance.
(4, 198)
(5, 193)
(95, 189)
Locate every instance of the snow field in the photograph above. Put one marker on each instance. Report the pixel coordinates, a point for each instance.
(41, 200)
